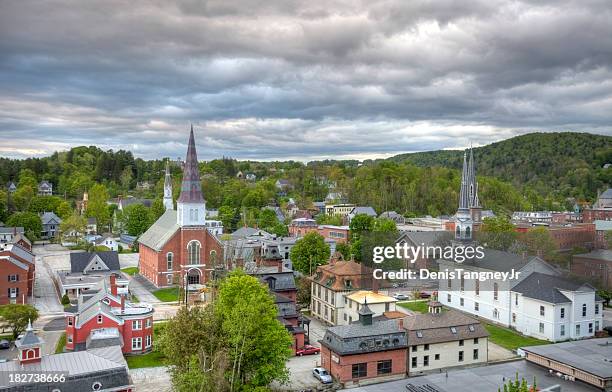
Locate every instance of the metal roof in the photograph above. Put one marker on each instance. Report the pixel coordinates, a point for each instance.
(548, 288)
(161, 231)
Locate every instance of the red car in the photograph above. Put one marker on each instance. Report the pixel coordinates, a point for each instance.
(308, 350)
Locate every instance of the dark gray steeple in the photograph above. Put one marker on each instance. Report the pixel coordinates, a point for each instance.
(365, 313)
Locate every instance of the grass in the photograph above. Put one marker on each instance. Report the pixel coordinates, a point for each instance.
(169, 294)
(152, 359)
(416, 306)
(61, 343)
(510, 339)
(130, 270)
(7, 336)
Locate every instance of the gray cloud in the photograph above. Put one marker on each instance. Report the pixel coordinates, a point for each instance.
(293, 79)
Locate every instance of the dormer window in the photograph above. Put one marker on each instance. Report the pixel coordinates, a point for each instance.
(348, 283)
(453, 330)
(419, 334)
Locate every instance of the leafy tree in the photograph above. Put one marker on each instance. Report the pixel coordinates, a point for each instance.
(279, 229)
(309, 252)
(518, 386)
(17, 316)
(72, 226)
(324, 219)
(27, 177)
(227, 215)
(606, 295)
(22, 197)
(29, 221)
(136, 219)
(97, 207)
(537, 241)
(303, 291)
(267, 218)
(608, 238)
(64, 210)
(497, 233)
(3, 205)
(359, 224)
(344, 249)
(254, 335)
(384, 225)
(65, 300)
(40, 204)
(157, 209)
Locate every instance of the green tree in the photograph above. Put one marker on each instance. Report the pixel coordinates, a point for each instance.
(157, 209)
(29, 221)
(537, 241)
(3, 205)
(97, 207)
(359, 224)
(309, 252)
(40, 204)
(253, 333)
(136, 219)
(267, 218)
(227, 215)
(17, 316)
(73, 226)
(27, 178)
(518, 385)
(497, 233)
(64, 210)
(22, 197)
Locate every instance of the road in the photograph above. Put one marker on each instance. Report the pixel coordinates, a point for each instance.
(45, 295)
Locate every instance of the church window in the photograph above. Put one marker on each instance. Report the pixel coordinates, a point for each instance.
(169, 259)
(193, 252)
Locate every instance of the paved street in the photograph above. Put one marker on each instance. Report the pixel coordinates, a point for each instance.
(141, 288)
(45, 294)
(607, 317)
(151, 379)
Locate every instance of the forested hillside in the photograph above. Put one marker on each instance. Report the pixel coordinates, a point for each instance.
(561, 164)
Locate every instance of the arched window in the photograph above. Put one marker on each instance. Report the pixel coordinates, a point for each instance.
(495, 291)
(468, 232)
(458, 232)
(169, 259)
(31, 353)
(213, 257)
(193, 252)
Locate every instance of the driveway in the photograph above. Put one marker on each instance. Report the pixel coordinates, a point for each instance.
(142, 289)
(45, 296)
(128, 260)
(151, 379)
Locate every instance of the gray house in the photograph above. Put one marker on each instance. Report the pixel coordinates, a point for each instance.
(50, 225)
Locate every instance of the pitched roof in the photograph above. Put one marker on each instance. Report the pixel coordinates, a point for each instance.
(80, 260)
(548, 288)
(367, 210)
(381, 335)
(598, 254)
(441, 327)
(11, 230)
(50, 218)
(429, 238)
(335, 275)
(370, 297)
(283, 281)
(161, 231)
(14, 261)
(191, 188)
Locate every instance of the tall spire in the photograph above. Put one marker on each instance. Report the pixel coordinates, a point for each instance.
(168, 203)
(191, 188)
(464, 203)
(472, 183)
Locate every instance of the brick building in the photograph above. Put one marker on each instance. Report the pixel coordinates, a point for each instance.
(17, 270)
(302, 226)
(180, 247)
(601, 209)
(365, 351)
(595, 266)
(602, 227)
(567, 237)
(102, 317)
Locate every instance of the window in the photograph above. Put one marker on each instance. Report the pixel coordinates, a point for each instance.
(460, 356)
(96, 386)
(477, 287)
(495, 313)
(148, 323)
(475, 353)
(419, 334)
(577, 329)
(69, 338)
(448, 297)
(13, 278)
(461, 342)
(100, 319)
(69, 320)
(426, 347)
(584, 310)
(462, 283)
(148, 341)
(136, 324)
(596, 326)
(476, 306)
(516, 299)
(541, 310)
(448, 283)
(495, 291)
(562, 332)
(415, 349)
(169, 257)
(136, 343)
(514, 317)
(453, 330)
(461, 302)
(426, 360)
(169, 278)
(562, 312)
(541, 327)
(360, 370)
(596, 308)
(590, 327)
(384, 367)
(414, 362)
(475, 340)
(437, 357)
(193, 252)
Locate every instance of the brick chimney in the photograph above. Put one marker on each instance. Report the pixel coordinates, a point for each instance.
(375, 285)
(280, 266)
(113, 284)
(122, 303)
(400, 322)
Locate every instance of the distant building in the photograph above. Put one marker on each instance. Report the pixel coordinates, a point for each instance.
(367, 210)
(602, 228)
(319, 206)
(567, 236)
(102, 368)
(7, 234)
(92, 226)
(107, 241)
(532, 217)
(394, 216)
(596, 266)
(45, 188)
(17, 271)
(601, 209)
(283, 185)
(378, 303)
(103, 314)
(87, 270)
(301, 226)
(277, 211)
(11, 187)
(50, 225)
(340, 210)
(250, 177)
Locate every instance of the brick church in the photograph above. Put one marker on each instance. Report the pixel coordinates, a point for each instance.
(181, 246)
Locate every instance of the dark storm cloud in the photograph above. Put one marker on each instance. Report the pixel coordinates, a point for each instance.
(295, 79)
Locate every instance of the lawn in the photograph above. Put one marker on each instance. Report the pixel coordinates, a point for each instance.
(61, 343)
(130, 270)
(417, 306)
(510, 339)
(169, 294)
(152, 359)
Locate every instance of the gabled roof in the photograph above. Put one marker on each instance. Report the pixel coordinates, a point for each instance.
(429, 238)
(79, 261)
(48, 218)
(161, 231)
(283, 281)
(598, 254)
(245, 232)
(367, 210)
(381, 335)
(446, 326)
(548, 288)
(11, 230)
(14, 261)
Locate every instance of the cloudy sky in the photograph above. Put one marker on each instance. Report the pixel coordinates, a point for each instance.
(288, 79)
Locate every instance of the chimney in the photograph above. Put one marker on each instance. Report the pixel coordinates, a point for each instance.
(400, 323)
(113, 284)
(122, 303)
(280, 266)
(375, 286)
(524, 254)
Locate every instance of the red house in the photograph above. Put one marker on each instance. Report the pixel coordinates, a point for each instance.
(16, 274)
(180, 247)
(102, 317)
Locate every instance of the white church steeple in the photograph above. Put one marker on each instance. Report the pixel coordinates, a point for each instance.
(168, 202)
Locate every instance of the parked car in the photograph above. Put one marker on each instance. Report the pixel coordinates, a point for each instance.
(308, 350)
(425, 295)
(608, 330)
(322, 375)
(400, 297)
(4, 344)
